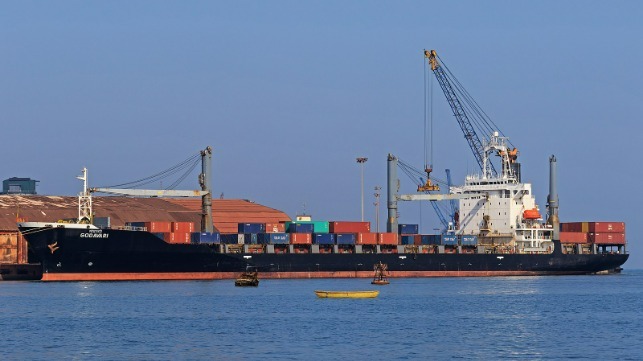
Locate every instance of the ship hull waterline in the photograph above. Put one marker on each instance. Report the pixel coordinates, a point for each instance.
(67, 255)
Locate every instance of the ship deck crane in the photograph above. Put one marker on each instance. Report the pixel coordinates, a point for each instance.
(470, 117)
(467, 112)
(204, 180)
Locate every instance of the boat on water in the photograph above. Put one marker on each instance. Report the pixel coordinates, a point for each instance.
(247, 279)
(347, 294)
(497, 231)
(381, 274)
(494, 237)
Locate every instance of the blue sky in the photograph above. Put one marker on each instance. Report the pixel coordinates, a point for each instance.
(289, 93)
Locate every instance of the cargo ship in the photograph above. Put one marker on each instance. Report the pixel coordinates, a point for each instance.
(500, 233)
(498, 230)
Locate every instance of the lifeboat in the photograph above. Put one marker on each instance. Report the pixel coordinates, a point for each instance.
(531, 214)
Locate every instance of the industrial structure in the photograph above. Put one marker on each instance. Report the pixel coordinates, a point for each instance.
(17, 185)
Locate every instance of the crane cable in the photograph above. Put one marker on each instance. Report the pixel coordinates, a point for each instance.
(480, 119)
(189, 164)
(416, 175)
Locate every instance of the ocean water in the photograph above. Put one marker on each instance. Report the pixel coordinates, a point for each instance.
(524, 318)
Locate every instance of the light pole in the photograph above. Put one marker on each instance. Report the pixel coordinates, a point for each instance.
(361, 161)
(377, 207)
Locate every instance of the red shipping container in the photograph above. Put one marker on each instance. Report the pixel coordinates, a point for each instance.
(573, 237)
(301, 238)
(349, 227)
(177, 237)
(366, 238)
(417, 239)
(183, 227)
(158, 227)
(573, 227)
(275, 227)
(607, 227)
(387, 238)
(607, 238)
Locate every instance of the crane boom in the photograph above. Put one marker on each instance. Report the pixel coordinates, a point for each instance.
(207, 223)
(458, 109)
(150, 192)
(441, 216)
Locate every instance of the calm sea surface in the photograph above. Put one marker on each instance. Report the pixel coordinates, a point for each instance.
(533, 318)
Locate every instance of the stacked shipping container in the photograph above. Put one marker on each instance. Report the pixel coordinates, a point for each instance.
(338, 233)
(603, 233)
(176, 232)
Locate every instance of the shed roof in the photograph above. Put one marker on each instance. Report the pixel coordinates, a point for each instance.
(226, 213)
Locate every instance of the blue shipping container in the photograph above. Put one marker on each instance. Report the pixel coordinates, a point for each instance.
(250, 238)
(407, 229)
(323, 238)
(345, 238)
(435, 239)
(273, 238)
(301, 228)
(407, 239)
(205, 237)
(449, 240)
(430, 239)
(251, 227)
(230, 238)
(469, 240)
(159, 235)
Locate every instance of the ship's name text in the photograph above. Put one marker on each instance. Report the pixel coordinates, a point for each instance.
(94, 234)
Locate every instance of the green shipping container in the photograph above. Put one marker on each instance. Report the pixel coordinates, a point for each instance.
(318, 226)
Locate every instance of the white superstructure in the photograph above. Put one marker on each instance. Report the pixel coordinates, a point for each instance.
(501, 209)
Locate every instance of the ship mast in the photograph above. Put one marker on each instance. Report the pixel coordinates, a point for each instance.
(84, 201)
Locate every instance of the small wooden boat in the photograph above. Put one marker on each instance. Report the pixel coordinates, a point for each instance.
(381, 274)
(347, 294)
(247, 279)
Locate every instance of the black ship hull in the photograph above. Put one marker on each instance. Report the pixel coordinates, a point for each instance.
(68, 254)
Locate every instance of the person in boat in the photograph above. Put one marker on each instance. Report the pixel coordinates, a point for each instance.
(380, 270)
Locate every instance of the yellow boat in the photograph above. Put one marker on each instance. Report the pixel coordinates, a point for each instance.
(347, 294)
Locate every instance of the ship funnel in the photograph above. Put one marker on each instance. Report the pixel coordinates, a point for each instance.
(552, 199)
(392, 187)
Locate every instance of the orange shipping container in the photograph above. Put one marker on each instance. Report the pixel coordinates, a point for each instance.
(275, 227)
(387, 238)
(158, 227)
(607, 238)
(183, 227)
(8, 255)
(301, 238)
(23, 249)
(366, 238)
(349, 227)
(573, 237)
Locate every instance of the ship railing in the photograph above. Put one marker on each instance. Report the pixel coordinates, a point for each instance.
(529, 239)
(131, 228)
